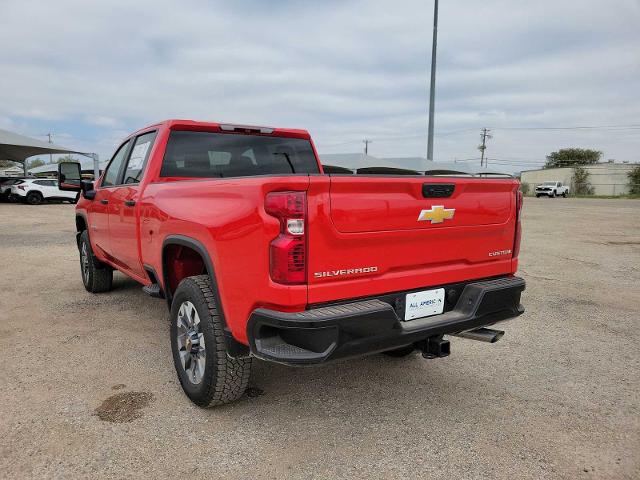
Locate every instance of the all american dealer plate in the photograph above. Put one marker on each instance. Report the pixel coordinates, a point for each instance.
(424, 304)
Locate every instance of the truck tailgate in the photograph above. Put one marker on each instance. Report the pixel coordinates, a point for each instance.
(373, 234)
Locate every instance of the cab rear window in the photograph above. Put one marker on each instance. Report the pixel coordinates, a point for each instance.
(221, 155)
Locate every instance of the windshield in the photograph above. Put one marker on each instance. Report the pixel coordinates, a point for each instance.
(207, 154)
(550, 184)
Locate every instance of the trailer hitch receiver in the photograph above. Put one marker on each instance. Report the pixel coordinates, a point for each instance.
(435, 347)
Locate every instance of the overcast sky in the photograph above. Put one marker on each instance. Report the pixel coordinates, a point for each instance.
(91, 72)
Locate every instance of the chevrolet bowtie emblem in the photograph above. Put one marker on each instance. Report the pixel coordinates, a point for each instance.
(437, 214)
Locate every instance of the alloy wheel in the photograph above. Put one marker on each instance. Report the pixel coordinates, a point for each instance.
(190, 340)
(84, 263)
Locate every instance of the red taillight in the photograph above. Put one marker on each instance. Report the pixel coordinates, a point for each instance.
(287, 252)
(518, 237)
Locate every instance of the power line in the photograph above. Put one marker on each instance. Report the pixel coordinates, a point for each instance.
(581, 127)
(397, 138)
(611, 128)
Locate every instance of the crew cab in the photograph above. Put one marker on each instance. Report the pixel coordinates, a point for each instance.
(552, 189)
(260, 253)
(35, 191)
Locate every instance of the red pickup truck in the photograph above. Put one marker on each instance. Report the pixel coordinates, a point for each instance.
(260, 252)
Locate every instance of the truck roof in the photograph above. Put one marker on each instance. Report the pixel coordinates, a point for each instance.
(176, 123)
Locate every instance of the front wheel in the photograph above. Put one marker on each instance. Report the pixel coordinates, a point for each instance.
(208, 374)
(552, 195)
(96, 276)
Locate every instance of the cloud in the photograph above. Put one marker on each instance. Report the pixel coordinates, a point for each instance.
(102, 121)
(343, 70)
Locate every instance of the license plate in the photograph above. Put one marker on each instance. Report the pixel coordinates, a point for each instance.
(424, 304)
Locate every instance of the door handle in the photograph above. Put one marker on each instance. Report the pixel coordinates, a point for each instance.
(104, 201)
(129, 203)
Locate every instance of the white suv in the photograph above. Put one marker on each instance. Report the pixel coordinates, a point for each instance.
(5, 187)
(36, 190)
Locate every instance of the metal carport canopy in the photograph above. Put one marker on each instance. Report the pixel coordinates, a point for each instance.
(18, 148)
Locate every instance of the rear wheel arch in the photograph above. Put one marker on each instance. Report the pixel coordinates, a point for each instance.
(190, 254)
(173, 244)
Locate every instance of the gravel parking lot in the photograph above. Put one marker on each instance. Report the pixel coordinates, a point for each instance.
(89, 388)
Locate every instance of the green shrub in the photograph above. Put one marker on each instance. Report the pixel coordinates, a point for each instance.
(634, 181)
(580, 184)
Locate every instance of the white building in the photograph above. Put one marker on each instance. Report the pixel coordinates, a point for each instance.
(15, 171)
(605, 178)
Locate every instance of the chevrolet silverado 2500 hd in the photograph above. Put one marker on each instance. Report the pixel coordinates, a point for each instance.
(552, 189)
(259, 253)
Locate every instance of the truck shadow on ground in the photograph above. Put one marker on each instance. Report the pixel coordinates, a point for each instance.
(373, 383)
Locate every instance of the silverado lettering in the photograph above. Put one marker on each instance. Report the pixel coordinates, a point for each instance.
(349, 271)
(234, 226)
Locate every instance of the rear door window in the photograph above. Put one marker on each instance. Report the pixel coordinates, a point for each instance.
(221, 155)
(138, 158)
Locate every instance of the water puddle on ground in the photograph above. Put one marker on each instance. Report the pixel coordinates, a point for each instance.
(123, 407)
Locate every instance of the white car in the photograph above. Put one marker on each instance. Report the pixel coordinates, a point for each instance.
(36, 190)
(552, 189)
(5, 187)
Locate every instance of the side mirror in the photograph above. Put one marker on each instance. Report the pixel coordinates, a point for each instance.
(87, 189)
(69, 176)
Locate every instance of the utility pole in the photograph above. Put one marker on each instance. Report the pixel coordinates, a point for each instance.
(432, 89)
(366, 145)
(484, 135)
(96, 166)
(50, 156)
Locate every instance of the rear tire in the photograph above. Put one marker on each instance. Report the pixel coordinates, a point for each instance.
(208, 374)
(565, 194)
(34, 198)
(401, 352)
(96, 276)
